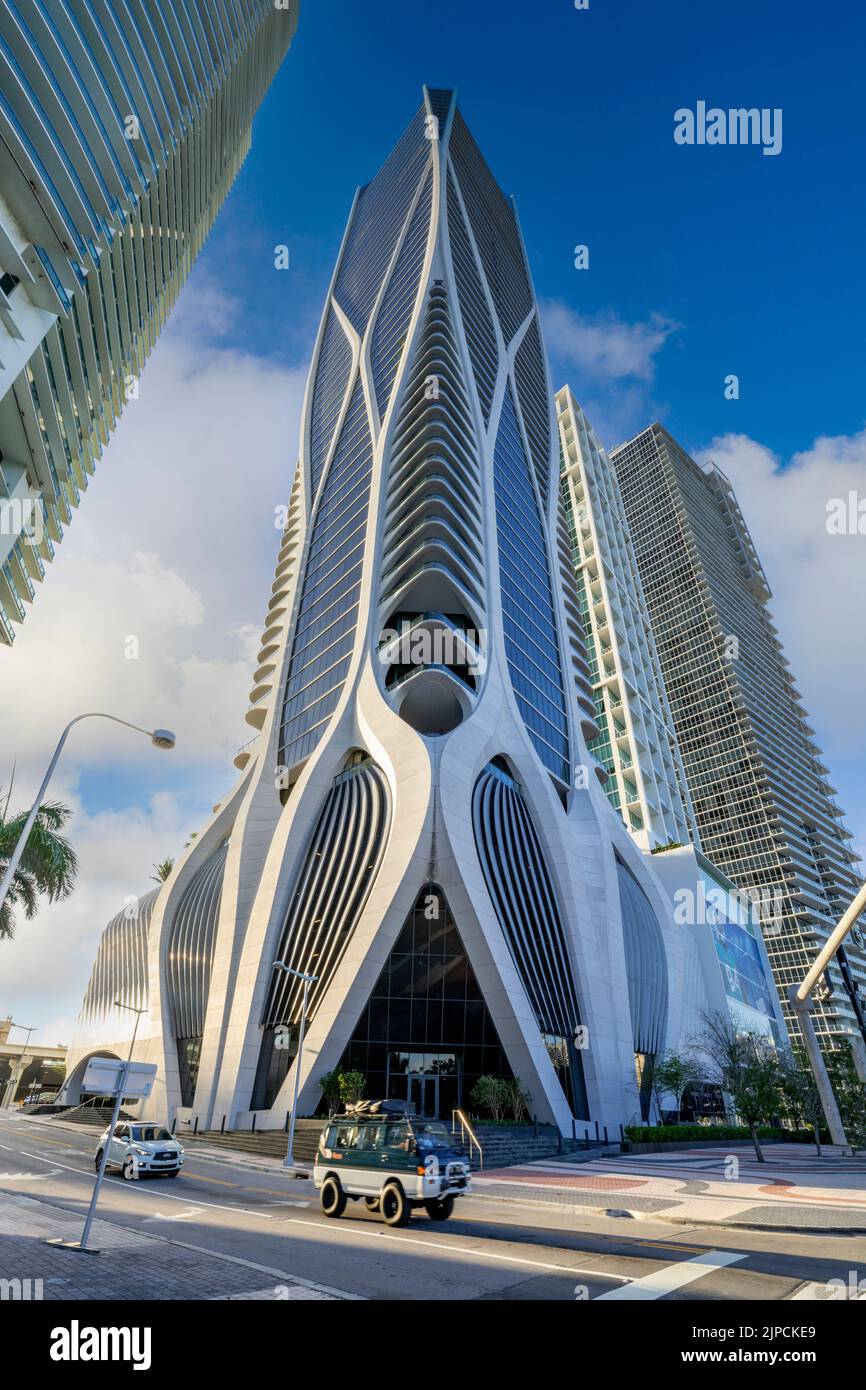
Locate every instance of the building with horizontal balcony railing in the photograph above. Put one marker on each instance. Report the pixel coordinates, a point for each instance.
(760, 788)
(122, 129)
(636, 744)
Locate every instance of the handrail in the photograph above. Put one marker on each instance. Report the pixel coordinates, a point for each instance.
(466, 1129)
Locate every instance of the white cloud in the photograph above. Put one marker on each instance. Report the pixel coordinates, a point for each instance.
(120, 635)
(45, 968)
(817, 581)
(174, 546)
(604, 347)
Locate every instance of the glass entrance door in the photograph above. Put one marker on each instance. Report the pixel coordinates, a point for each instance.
(424, 1093)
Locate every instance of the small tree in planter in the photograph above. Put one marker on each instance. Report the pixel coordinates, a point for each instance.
(675, 1073)
(518, 1099)
(850, 1093)
(800, 1096)
(747, 1067)
(330, 1084)
(492, 1093)
(353, 1084)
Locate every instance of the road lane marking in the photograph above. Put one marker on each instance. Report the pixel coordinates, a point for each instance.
(665, 1281)
(362, 1227)
(366, 1229)
(135, 1187)
(445, 1247)
(219, 1182)
(176, 1216)
(27, 1177)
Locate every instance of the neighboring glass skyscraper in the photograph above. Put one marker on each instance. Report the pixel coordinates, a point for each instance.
(761, 792)
(407, 826)
(122, 128)
(637, 744)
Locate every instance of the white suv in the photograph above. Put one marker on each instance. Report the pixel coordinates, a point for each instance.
(137, 1148)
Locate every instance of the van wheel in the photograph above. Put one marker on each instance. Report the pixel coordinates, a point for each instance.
(440, 1209)
(371, 1203)
(393, 1206)
(333, 1198)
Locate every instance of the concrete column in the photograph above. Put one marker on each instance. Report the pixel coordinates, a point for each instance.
(819, 1070)
(858, 1050)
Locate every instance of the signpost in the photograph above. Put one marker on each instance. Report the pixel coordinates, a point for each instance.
(108, 1076)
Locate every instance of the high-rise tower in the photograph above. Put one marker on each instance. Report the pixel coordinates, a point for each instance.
(636, 743)
(407, 826)
(122, 128)
(760, 789)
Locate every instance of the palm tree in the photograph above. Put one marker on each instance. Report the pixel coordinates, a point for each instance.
(162, 871)
(48, 866)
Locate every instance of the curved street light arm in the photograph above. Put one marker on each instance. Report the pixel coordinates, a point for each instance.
(15, 858)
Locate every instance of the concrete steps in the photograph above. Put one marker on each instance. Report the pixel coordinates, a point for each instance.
(96, 1115)
(503, 1146)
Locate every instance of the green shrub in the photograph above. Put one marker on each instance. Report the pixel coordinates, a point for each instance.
(709, 1134)
(353, 1084)
(493, 1093)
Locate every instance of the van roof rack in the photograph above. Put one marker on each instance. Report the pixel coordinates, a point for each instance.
(360, 1109)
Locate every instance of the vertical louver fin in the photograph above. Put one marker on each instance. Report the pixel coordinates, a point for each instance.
(327, 613)
(379, 216)
(120, 969)
(332, 378)
(528, 615)
(333, 885)
(519, 885)
(645, 963)
(191, 944)
(474, 310)
(395, 311)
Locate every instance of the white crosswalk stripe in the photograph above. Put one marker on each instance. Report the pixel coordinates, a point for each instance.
(673, 1277)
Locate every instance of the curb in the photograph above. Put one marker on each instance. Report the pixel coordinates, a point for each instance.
(620, 1213)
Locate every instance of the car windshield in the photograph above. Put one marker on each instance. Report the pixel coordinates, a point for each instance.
(432, 1135)
(150, 1133)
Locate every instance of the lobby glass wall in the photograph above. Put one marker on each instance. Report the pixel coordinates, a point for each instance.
(426, 1034)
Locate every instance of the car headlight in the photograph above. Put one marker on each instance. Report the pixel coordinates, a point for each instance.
(142, 1153)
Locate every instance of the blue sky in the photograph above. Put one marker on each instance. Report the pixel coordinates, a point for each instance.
(759, 259)
(703, 262)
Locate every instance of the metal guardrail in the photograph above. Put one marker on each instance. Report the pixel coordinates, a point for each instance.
(466, 1130)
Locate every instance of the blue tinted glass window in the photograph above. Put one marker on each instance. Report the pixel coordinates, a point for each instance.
(328, 609)
(531, 642)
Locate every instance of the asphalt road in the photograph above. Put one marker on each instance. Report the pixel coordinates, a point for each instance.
(489, 1249)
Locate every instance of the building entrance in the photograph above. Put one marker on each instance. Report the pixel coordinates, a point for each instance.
(424, 1094)
(426, 1035)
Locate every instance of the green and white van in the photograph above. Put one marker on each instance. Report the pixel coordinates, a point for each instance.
(394, 1160)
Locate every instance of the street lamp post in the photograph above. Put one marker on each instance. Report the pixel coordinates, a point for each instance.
(138, 1012)
(15, 1076)
(289, 1160)
(160, 738)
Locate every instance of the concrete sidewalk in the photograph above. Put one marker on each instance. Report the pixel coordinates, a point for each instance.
(130, 1266)
(790, 1191)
